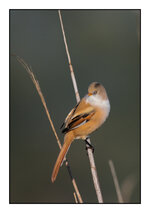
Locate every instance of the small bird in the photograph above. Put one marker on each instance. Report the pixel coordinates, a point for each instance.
(88, 115)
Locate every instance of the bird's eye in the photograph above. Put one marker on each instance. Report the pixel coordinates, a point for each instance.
(94, 93)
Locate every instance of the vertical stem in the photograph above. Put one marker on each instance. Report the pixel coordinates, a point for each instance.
(116, 183)
(73, 182)
(69, 60)
(94, 174)
(90, 154)
(75, 197)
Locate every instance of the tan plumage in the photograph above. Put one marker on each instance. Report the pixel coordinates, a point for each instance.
(83, 119)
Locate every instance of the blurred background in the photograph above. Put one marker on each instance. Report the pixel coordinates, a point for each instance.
(104, 46)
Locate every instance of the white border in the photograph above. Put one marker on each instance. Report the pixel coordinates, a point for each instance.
(4, 85)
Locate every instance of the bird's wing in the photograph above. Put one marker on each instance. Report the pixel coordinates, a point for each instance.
(78, 116)
(69, 116)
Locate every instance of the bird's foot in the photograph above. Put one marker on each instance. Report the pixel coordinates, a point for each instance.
(89, 146)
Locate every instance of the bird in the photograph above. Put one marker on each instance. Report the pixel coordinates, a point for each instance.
(87, 116)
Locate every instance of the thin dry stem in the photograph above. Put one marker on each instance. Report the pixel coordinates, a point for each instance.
(90, 154)
(116, 183)
(73, 182)
(75, 197)
(36, 83)
(69, 60)
(94, 174)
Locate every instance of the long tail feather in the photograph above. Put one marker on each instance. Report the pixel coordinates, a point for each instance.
(67, 142)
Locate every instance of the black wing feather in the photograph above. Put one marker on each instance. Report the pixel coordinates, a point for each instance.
(69, 127)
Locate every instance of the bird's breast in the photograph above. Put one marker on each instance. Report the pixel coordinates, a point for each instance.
(98, 102)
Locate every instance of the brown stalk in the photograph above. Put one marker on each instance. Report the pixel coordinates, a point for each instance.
(90, 153)
(36, 84)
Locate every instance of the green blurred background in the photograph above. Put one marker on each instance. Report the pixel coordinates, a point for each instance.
(105, 47)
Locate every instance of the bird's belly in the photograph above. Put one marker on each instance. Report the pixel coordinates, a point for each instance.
(89, 127)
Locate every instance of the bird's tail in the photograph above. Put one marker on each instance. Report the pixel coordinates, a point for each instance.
(67, 142)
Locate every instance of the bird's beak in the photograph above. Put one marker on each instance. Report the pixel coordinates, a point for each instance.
(89, 94)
